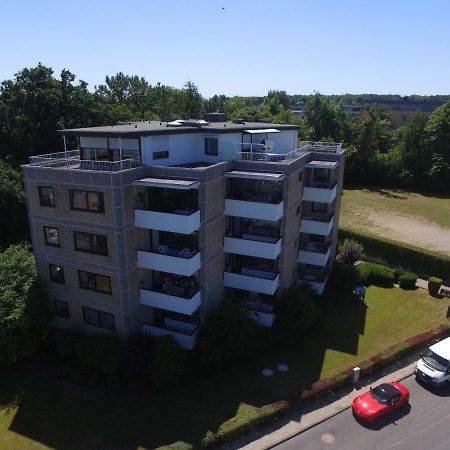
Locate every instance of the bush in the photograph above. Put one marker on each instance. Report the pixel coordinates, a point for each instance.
(434, 284)
(407, 280)
(350, 251)
(227, 336)
(397, 273)
(24, 317)
(296, 314)
(170, 362)
(344, 277)
(139, 357)
(376, 274)
(418, 260)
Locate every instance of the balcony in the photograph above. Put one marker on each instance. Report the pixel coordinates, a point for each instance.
(320, 193)
(259, 312)
(182, 262)
(174, 299)
(252, 245)
(253, 209)
(315, 254)
(316, 281)
(252, 280)
(184, 221)
(184, 332)
(317, 225)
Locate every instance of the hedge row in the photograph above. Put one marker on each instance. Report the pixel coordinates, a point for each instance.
(399, 254)
(238, 426)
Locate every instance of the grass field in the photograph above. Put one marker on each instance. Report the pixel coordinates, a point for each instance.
(415, 219)
(38, 411)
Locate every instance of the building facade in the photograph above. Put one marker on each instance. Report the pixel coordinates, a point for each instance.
(147, 226)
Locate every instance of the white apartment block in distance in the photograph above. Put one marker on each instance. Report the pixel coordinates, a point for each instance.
(149, 225)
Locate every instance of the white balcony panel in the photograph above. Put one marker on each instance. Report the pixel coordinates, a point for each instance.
(251, 283)
(312, 226)
(315, 258)
(316, 285)
(170, 302)
(177, 223)
(319, 195)
(250, 247)
(187, 340)
(253, 210)
(171, 264)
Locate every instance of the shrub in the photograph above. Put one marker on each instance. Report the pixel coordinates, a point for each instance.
(350, 251)
(344, 277)
(65, 343)
(418, 260)
(434, 284)
(24, 317)
(170, 362)
(397, 272)
(139, 357)
(227, 336)
(296, 314)
(376, 274)
(407, 280)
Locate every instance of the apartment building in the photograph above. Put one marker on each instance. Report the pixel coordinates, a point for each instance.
(148, 225)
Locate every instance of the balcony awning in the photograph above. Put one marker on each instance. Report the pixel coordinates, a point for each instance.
(267, 176)
(262, 131)
(167, 183)
(322, 164)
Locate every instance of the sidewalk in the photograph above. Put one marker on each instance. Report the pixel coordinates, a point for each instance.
(312, 414)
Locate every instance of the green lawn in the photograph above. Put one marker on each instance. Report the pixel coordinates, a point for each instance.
(39, 411)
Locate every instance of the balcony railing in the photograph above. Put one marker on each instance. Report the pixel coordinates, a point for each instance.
(184, 332)
(182, 262)
(71, 160)
(323, 147)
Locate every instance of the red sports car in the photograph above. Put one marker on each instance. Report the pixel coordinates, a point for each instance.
(380, 401)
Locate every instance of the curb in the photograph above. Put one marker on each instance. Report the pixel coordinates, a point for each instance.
(324, 419)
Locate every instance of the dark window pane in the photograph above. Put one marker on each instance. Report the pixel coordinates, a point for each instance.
(211, 146)
(57, 273)
(91, 316)
(95, 201)
(99, 244)
(79, 200)
(62, 309)
(161, 155)
(86, 201)
(107, 320)
(46, 196)
(99, 318)
(82, 241)
(51, 236)
(103, 284)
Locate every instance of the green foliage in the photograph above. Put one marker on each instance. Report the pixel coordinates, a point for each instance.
(227, 336)
(376, 274)
(13, 211)
(401, 254)
(407, 280)
(23, 305)
(397, 272)
(169, 362)
(296, 313)
(350, 251)
(434, 284)
(139, 358)
(192, 101)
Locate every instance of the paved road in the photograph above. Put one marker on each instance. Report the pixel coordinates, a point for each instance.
(424, 425)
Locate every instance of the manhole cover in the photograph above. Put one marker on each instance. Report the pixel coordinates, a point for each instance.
(327, 438)
(267, 372)
(282, 367)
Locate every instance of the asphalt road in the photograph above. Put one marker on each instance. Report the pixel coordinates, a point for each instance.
(424, 424)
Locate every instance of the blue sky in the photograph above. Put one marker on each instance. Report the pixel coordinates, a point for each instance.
(247, 48)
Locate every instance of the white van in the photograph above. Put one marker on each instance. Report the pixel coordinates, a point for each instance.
(434, 365)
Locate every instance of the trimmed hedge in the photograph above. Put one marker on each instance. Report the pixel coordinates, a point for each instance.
(376, 274)
(418, 260)
(434, 284)
(407, 280)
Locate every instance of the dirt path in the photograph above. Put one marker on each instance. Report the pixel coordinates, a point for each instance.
(411, 230)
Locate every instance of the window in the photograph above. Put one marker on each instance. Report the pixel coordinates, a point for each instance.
(99, 318)
(46, 196)
(90, 243)
(51, 236)
(94, 282)
(57, 273)
(319, 207)
(161, 155)
(322, 175)
(211, 146)
(86, 201)
(62, 309)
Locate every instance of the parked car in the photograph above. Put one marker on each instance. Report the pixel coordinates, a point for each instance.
(434, 365)
(380, 401)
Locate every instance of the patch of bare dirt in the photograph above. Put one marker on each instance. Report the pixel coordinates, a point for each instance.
(411, 230)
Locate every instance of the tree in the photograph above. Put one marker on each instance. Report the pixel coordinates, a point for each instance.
(23, 315)
(13, 211)
(192, 101)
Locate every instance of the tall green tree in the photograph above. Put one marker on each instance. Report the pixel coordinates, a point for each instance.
(192, 101)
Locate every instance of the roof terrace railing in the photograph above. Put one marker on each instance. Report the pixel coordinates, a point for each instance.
(71, 160)
(326, 147)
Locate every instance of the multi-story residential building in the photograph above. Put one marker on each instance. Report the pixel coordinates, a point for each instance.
(147, 226)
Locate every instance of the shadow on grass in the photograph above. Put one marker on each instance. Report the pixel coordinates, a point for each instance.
(60, 414)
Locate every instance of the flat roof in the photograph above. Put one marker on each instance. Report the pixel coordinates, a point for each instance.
(168, 183)
(148, 128)
(262, 131)
(322, 164)
(268, 176)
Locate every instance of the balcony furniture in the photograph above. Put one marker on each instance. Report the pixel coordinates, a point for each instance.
(163, 249)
